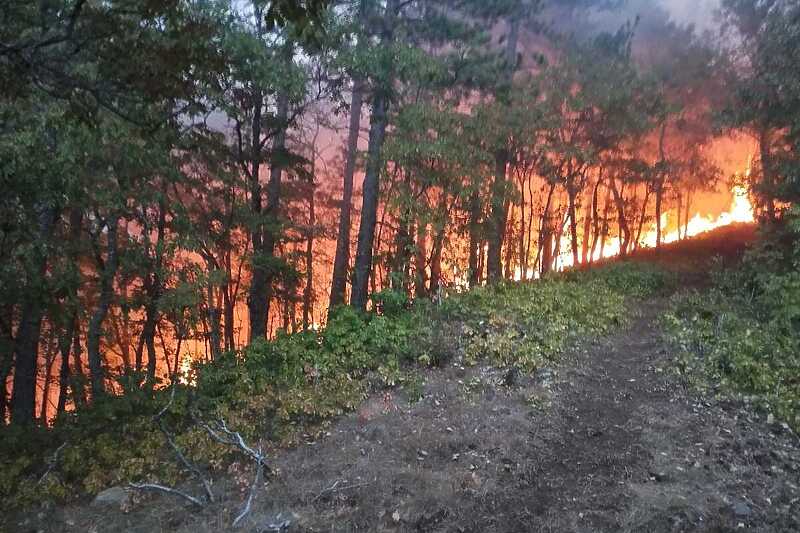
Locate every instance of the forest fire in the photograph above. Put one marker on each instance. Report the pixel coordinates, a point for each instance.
(266, 211)
(299, 223)
(740, 211)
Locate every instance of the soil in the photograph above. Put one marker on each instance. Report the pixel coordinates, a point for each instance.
(610, 440)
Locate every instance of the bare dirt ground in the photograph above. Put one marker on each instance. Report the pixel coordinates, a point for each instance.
(610, 440)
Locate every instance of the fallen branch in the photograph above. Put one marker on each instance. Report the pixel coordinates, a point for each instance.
(219, 432)
(168, 490)
(337, 488)
(51, 464)
(193, 468)
(251, 494)
(223, 435)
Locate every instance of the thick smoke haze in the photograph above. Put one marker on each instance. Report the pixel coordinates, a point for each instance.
(697, 12)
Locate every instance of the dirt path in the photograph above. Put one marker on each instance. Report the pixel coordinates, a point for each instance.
(611, 441)
(621, 446)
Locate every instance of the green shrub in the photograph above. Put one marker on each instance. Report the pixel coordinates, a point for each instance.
(744, 332)
(280, 389)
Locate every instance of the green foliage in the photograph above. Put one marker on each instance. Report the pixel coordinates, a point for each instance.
(525, 325)
(291, 385)
(636, 279)
(744, 332)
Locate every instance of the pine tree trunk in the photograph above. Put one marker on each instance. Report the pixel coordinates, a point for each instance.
(26, 345)
(573, 223)
(308, 290)
(420, 260)
(474, 238)
(371, 190)
(497, 219)
(341, 263)
(107, 275)
(499, 207)
(260, 296)
(214, 324)
(767, 177)
(64, 348)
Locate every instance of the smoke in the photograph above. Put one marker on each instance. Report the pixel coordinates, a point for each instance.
(700, 13)
(593, 16)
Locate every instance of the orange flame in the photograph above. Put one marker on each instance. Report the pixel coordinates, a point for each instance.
(741, 211)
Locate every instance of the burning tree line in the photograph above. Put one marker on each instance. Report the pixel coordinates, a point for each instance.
(169, 184)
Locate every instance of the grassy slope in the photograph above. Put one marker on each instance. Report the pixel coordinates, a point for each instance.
(279, 390)
(740, 333)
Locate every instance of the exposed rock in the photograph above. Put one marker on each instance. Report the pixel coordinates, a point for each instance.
(114, 496)
(741, 510)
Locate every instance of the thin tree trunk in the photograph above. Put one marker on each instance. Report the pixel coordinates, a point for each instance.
(78, 375)
(420, 266)
(545, 252)
(308, 290)
(499, 212)
(65, 382)
(214, 325)
(371, 189)
(107, 275)
(154, 291)
(50, 359)
(573, 222)
(509, 246)
(660, 179)
(474, 238)
(768, 193)
(341, 263)
(260, 296)
(642, 219)
(26, 345)
(594, 226)
(625, 232)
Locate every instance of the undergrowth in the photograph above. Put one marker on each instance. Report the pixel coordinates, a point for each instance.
(743, 333)
(275, 392)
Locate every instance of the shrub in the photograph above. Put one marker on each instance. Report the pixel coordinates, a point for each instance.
(744, 332)
(282, 388)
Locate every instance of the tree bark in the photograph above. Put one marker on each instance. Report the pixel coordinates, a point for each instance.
(420, 260)
(95, 331)
(768, 189)
(625, 232)
(474, 239)
(263, 274)
(660, 179)
(573, 222)
(308, 290)
(371, 190)
(26, 345)
(435, 282)
(499, 210)
(341, 262)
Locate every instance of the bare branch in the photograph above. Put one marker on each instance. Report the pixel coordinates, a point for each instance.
(251, 494)
(193, 468)
(168, 490)
(51, 464)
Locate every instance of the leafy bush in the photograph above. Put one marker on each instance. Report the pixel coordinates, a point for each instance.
(526, 324)
(744, 332)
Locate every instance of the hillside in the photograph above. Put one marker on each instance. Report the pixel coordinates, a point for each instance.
(602, 434)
